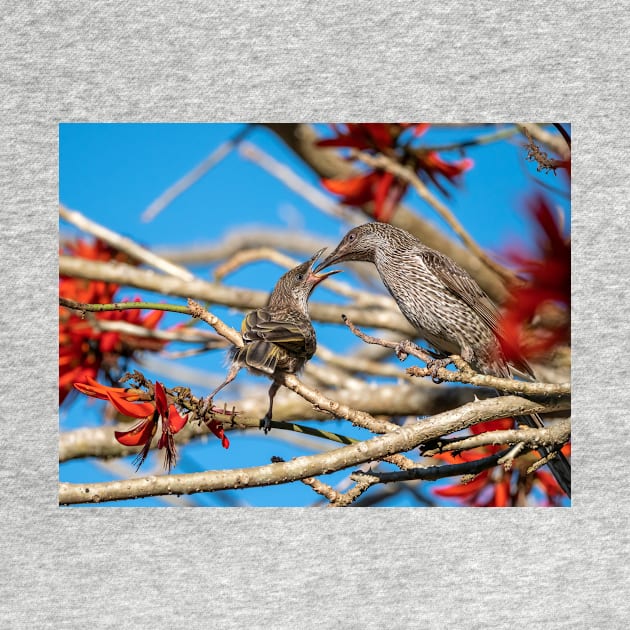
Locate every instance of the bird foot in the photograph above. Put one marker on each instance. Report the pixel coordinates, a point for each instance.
(435, 365)
(402, 349)
(265, 424)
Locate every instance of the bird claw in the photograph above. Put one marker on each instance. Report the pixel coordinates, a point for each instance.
(265, 424)
(435, 365)
(402, 350)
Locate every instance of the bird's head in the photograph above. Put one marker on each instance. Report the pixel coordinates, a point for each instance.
(297, 284)
(360, 243)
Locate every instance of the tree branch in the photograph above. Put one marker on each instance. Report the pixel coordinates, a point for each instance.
(408, 175)
(393, 400)
(553, 142)
(464, 373)
(555, 434)
(124, 244)
(197, 289)
(246, 238)
(403, 439)
(431, 473)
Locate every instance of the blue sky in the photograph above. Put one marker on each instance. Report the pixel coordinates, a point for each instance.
(112, 173)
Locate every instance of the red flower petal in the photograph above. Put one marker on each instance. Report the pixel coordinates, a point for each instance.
(152, 319)
(140, 434)
(549, 484)
(217, 429)
(500, 424)
(343, 141)
(352, 186)
(175, 421)
(131, 409)
(389, 192)
(109, 341)
(463, 490)
(501, 493)
(420, 128)
(160, 400)
(93, 388)
(382, 135)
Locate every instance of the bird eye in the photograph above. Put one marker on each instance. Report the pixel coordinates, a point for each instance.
(351, 237)
(300, 276)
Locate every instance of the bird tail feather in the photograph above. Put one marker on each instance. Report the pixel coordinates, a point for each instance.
(262, 356)
(559, 465)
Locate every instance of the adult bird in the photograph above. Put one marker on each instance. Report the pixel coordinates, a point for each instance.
(444, 303)
(279, 337)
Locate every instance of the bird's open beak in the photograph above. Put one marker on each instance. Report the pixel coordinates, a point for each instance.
(329, 260)
(315, 277)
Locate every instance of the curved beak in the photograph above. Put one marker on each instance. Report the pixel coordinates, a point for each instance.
(331, 259)
(315, 277)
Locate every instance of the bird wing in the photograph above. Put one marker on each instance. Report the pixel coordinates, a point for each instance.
(276, 328)
(460, 284)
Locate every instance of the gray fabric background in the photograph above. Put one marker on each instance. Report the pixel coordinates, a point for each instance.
(369, 568)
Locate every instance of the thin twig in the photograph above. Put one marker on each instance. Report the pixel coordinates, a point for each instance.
(563, 133)
(406, 174)
(431, 473)
(508, 459)
(538, 155)
(294, 182)
(186, 335)
(194, 175)
(180, 334)
(362, 485)
(403, 348)
(541, 462)
(474, 142)
(231, 334)
(464, 373)
(556, 434)
(557, 144)
(124, 244)
(318, 486)
(122, 306)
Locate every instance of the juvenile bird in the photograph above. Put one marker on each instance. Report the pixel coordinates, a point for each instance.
(443, 302)
(280, 336)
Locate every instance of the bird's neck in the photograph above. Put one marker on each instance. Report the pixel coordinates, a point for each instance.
(383, 255)
(294, 304)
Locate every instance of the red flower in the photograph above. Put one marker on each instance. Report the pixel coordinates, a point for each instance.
(129, 402)
(536, 317)
(217, 428)
(430, 165)
(381, 187)
(379, 137)
(84, 350)
(497, 487)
